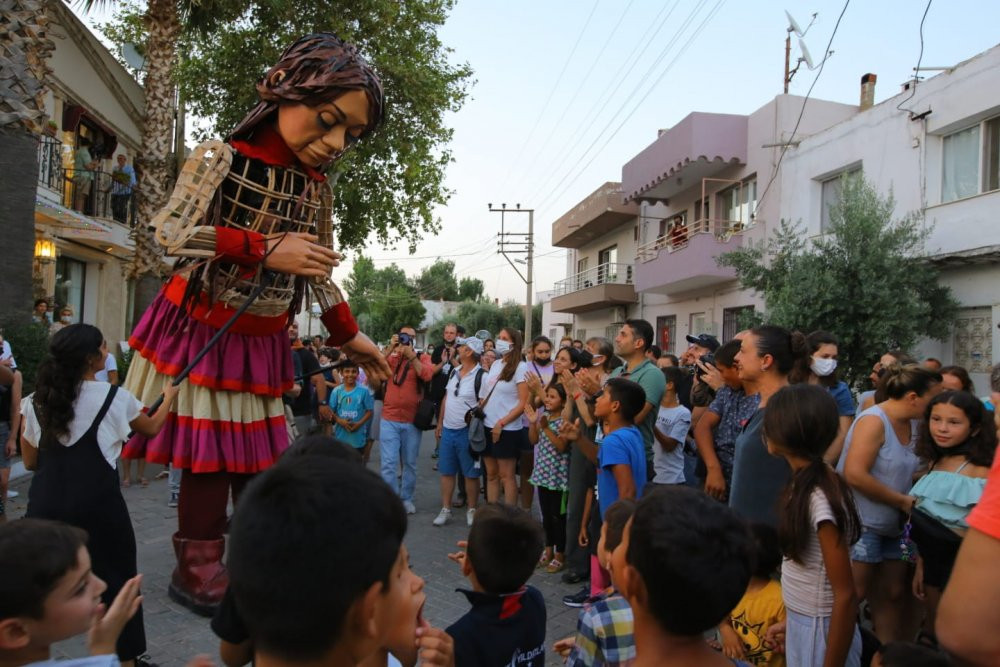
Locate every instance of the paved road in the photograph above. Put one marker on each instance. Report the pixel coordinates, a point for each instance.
(174, 634)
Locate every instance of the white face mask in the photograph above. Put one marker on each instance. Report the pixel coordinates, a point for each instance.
(823, 367)
(67, 318)
(502, 347)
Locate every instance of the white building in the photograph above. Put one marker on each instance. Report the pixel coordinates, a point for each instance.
(939, 155)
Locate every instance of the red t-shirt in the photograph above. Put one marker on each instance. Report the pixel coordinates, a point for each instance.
(401, 391)
(985, 517)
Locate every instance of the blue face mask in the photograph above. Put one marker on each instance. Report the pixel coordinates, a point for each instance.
(503, 347)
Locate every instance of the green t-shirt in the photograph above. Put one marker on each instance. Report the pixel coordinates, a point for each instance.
(651, 379)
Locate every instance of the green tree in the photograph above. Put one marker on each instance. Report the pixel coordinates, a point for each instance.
(864, 281)
(382, 300)
(398, 306)
(438, 282)
(476, 315)
(471, 289)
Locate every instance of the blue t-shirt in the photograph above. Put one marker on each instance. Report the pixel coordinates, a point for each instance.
(845, 401)
(624, 445)
(352, 406)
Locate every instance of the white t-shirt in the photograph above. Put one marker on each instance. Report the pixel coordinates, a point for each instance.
(6, 354)
(805, 587)
(455, 407)
(114, 429)
(110, 364)
(504, 398)
(669, 466)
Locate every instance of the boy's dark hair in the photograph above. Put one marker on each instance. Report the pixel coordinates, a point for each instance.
(656, 351)
(615, 518)
(322, 445)
(673, 358)
(504, 543)
(908, 654)
(630, 395)
(982, 443)
(693, 554)
(673, 375)
(349, 363)
(309, 537)
(726, 354)
(34, 555)
(641, 329)
(766, 552)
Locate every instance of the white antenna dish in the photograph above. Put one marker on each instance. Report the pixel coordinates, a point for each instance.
(131, 54)
(483, 334)
(806, 56)
(793, 25)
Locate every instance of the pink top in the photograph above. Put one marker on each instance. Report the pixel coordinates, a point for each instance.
(401, 391)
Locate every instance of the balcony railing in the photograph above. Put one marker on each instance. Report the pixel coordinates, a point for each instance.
(678, 238)
(91, 192)
(602, 274)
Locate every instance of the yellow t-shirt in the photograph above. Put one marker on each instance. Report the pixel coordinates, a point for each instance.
(754, 614)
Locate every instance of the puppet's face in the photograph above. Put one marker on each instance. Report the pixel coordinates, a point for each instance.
(319, 134)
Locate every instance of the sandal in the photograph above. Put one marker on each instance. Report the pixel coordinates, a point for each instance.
(143, 482)
(544, 560)
(555, 566)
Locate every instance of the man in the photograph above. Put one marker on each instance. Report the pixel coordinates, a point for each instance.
(122, 182)
(399, 438)
(444, 358)
(631, 343)
(302, 405)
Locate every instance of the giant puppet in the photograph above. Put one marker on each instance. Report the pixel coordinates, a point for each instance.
(250, 221)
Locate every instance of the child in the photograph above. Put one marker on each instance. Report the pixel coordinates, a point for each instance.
(672, 425)
(957, 441)
(817, 524)
(604, 629)
(506, 625)
(319, 572)
(550, 474)
(352, 407)
(49, 593)
(743, 633)
(683, 563)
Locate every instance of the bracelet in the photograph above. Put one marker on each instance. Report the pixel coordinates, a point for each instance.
(577, 395)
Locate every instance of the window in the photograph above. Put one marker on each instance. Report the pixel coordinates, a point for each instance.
(612, 330)
(970, 161)
(582, 264)
(830, 195)
(973, 340)
(70, 282)
(732, 321)
(607, 261)
(666, 331)
(697, 324)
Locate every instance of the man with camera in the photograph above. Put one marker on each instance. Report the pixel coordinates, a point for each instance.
(399, 437)
(444, 358)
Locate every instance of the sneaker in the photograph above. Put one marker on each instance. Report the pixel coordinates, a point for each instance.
(577, 599)
(470, 514)
(410, 507)
(173, 500)
(443, 516)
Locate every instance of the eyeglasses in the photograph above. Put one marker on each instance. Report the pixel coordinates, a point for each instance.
(457, 384)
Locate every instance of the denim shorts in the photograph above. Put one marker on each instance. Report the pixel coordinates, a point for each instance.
(875, 548)
(453, 454)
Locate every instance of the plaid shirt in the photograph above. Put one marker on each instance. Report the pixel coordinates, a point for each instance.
(604, 633)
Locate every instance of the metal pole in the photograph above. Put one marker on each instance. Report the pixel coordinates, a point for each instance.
(531, 257)
(788, 54)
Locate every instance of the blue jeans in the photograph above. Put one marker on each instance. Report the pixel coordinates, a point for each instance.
(399, 440)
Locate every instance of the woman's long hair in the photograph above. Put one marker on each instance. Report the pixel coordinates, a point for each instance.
(512, 358)
(71, 351)
(802, 420)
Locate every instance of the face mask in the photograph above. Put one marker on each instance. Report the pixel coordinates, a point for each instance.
(543, 362)
(502, 347)
(66, 319)
(823, 367)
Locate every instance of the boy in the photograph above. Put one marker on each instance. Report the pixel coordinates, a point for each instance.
(506, 625)
(352, 407)
(319, 572)
(684, 563)
(672, 425)
(48, 593)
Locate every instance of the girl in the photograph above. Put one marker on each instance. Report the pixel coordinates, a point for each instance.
(821, 369)
(879, 463)
(73, 429)
(539, 374)
(958, 443)
(551, 474)
(817, 524)
(504, 406)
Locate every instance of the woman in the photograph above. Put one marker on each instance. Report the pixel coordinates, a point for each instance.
(83, 175)
(822, 370)
(956, 378)
(879, 463)
(540, 372)
(767, 355)
(72, 432)
(506, 436)
(65, 319)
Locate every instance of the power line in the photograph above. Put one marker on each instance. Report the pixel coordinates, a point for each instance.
(802, 111)
(920, 58)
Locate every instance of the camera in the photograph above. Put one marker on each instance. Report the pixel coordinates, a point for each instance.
(405, 339)
(708, 360)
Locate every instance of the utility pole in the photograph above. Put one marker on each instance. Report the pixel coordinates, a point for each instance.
(519, 243)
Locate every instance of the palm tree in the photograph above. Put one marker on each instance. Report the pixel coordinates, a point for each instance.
(24, 48)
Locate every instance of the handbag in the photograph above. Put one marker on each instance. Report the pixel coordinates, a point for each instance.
(475, 418)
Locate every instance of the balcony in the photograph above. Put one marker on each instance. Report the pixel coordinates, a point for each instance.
(701, 145)
(603, 286)
(683, 260)
(88, 192)
(601, 212)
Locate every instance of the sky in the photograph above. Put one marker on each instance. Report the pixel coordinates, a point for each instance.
(567, 91)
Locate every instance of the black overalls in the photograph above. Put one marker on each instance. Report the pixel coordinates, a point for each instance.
(76, 485)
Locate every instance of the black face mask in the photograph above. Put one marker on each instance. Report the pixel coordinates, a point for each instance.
(543, 362)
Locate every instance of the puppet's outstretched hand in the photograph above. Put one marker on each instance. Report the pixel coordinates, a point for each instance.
(298, 254)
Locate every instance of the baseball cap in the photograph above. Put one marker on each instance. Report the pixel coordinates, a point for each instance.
(472, 343)
(704, 340)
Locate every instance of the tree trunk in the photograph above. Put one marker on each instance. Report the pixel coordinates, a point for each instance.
(155, 161)
(19, 165)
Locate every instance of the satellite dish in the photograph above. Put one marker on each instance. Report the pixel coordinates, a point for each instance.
(483, 334)
(806, 56)
(793, 25)
(135, 59)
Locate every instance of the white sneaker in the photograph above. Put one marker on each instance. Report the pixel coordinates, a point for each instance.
(409, 507)
(470, 515)
(443, 516)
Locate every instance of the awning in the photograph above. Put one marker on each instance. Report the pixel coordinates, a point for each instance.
(67, 223)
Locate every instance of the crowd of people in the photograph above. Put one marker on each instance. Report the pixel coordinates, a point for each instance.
(734, 506)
